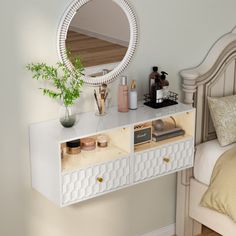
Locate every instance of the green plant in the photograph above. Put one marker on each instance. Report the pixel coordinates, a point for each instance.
(67, 82)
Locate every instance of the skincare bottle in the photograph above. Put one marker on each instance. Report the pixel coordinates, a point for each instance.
(152, 77)
(156, 91)
(164, 81)
(165, 84)
(123, 101)
(133, 96)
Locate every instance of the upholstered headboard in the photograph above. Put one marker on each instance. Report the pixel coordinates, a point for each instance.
(214, 77)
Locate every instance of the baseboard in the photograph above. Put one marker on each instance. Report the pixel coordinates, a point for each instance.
(99, 36)
(165, 231)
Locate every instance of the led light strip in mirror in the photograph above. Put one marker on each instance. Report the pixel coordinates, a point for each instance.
(62, 35)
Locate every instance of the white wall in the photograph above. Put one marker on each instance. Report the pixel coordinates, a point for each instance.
(103, 17)
(173, 35)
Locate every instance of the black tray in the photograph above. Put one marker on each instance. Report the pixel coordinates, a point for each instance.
(167, 102)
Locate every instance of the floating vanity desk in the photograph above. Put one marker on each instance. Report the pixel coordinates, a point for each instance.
(67, 179)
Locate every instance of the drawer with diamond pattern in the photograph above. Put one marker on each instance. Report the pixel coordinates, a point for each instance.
(168, 158)
(86, 183)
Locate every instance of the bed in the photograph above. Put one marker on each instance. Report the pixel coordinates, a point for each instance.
(214, 77)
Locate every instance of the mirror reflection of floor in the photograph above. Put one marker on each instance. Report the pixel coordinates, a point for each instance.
(93, 51)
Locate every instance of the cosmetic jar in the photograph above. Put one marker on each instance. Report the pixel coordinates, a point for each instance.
(88, 144)
(73, 147)
(102, 141)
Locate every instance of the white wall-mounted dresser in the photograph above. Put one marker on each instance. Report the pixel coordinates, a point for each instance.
(88, 174)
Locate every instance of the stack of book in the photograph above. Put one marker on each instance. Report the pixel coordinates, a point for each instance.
(170, 133)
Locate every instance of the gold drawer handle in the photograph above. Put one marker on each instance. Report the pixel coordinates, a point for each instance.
(166, 159)
(100, 179)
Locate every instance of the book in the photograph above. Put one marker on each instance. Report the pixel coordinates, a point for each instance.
(162, 135)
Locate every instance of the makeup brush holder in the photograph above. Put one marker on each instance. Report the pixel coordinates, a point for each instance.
(101, 108)
(102, 99)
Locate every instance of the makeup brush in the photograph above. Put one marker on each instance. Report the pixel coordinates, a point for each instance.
(105, 98)
(103, 95)
(103, 90)
(96, 98)
(104, 86)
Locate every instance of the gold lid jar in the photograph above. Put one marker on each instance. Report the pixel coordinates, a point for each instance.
(73, 147)
(88, 144)
(102, 140)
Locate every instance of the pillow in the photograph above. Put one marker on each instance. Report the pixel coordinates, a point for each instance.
(221, 194)
(223, 114)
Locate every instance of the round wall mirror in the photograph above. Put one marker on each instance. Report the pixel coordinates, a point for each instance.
(103, 33)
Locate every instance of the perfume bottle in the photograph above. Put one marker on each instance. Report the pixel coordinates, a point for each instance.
(133, 96)
(157, 91)
(152, 77)
(123, 100)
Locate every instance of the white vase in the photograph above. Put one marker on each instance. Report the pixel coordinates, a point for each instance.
(67, 116)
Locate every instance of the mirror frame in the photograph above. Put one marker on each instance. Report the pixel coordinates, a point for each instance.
(112, 75)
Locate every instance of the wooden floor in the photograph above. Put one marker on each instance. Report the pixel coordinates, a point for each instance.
(208, 232)
(93, 51)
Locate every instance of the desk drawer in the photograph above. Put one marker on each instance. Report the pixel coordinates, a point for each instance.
(89, 182)
(168, 158)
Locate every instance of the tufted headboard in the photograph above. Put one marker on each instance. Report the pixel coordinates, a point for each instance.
(214, 77)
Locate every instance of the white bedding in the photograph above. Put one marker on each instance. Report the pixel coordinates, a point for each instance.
(205, 158)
